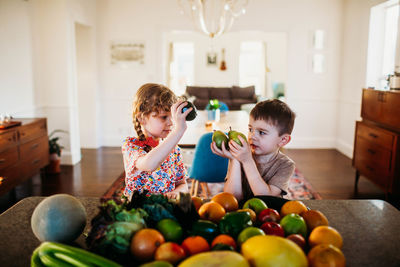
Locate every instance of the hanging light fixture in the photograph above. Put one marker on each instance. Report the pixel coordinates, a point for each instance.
(213, 17)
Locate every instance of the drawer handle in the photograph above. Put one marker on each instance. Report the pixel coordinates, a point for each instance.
(23, 134)
(34, 146)
(36, 161)
(370, 168)
(373, 135)
(2, 160)
(10, 139)
(371, 151)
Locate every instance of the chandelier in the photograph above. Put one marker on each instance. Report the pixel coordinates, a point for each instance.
(213, 17)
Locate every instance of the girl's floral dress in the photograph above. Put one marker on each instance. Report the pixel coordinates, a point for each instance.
(165, 178)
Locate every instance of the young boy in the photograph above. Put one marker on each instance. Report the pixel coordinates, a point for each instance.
(258, 167)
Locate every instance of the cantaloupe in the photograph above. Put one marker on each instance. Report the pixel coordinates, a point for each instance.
(59, 218)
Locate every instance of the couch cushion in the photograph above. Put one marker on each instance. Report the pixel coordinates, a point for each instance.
(220, 92)
(198, 91)
(243, 92)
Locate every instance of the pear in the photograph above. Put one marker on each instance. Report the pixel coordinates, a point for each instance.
(218, 137)
(192, 114)
(233, 135)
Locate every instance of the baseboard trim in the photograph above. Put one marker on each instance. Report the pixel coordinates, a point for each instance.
(344, 148)
(67, 158)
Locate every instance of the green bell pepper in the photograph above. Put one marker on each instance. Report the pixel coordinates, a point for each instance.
(234, 222)
(206, 229)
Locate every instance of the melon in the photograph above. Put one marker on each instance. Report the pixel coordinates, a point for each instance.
(59, 218)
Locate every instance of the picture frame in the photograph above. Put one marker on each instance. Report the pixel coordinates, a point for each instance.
(211, 59)
(127, 53)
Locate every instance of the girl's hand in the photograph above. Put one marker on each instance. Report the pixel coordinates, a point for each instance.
(223, 152)
(172, 195)
(240, 152)
(179, 118)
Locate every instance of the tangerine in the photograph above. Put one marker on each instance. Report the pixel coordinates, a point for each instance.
(227, 200)
(211, 211)
(324, 255)
(197, 202)
(195, 244)
(314, 218)
(145, 243)
(293, 206)
(224, 239)
(325, 235)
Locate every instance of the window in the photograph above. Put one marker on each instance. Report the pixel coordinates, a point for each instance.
(181, 72)
(383, 30)
(252, 65)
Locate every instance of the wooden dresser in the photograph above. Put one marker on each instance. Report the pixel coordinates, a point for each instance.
(24, 150)
(376, 143)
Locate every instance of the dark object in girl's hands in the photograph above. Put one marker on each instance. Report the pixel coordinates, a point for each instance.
(192, 114)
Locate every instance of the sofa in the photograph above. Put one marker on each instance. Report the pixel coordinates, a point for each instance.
(233, 96)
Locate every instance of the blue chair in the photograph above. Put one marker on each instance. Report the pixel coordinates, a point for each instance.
(206, 166)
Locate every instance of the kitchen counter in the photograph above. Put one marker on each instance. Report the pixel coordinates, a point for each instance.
(370, 230)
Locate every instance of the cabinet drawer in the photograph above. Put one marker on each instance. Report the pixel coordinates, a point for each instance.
(378, 156)
(8, 158)
(8, 140)
(32, 165)
(9, 178)
(32, 131)
(39, 146)
(375, 135)
(375, 173)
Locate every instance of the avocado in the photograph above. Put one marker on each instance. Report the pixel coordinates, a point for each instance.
(233, 135)
(192, 114)
(218, 137)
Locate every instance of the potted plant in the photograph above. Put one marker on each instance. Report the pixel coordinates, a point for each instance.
(55, 152)
(213, 111)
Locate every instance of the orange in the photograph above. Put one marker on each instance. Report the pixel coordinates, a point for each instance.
(293, 206)
(227, 200)
(325, 235)
(326, 255)
(195, 244)
(197, 202)
(145, 243)
(314, 218)
(211, 211)
(224, 239)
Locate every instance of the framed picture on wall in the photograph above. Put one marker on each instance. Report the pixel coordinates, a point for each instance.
(211, 59)
(127, 53)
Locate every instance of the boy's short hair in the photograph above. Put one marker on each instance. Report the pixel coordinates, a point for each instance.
(275, 112)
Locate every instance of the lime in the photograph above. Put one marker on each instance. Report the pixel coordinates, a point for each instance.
(170, 229)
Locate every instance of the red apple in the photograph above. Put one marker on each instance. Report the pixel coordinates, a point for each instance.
(273, 228)
(171, 252)
(298, 239)
(268, 215)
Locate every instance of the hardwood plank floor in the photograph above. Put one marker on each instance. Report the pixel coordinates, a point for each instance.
(329, 172)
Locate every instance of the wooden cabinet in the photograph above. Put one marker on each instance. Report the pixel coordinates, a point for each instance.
(376, 143)
(24, 150)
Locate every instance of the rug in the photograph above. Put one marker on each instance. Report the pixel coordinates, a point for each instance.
(299, 188)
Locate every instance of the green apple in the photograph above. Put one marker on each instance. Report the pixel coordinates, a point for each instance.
(248, 232)
(294, 224)
(255, 204)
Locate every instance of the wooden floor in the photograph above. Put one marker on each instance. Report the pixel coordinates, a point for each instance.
(329, 172)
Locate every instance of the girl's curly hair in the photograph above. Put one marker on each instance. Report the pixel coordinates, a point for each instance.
(151, 97)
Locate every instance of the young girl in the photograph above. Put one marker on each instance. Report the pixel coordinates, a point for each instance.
(156, 167)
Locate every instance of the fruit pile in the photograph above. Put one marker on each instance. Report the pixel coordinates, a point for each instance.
(188, 232)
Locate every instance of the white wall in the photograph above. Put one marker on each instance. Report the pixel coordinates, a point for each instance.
(353, 70)
(16, 76)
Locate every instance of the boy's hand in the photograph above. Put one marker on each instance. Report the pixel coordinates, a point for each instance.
(179, 118)
(240, 152)
(223, 152)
